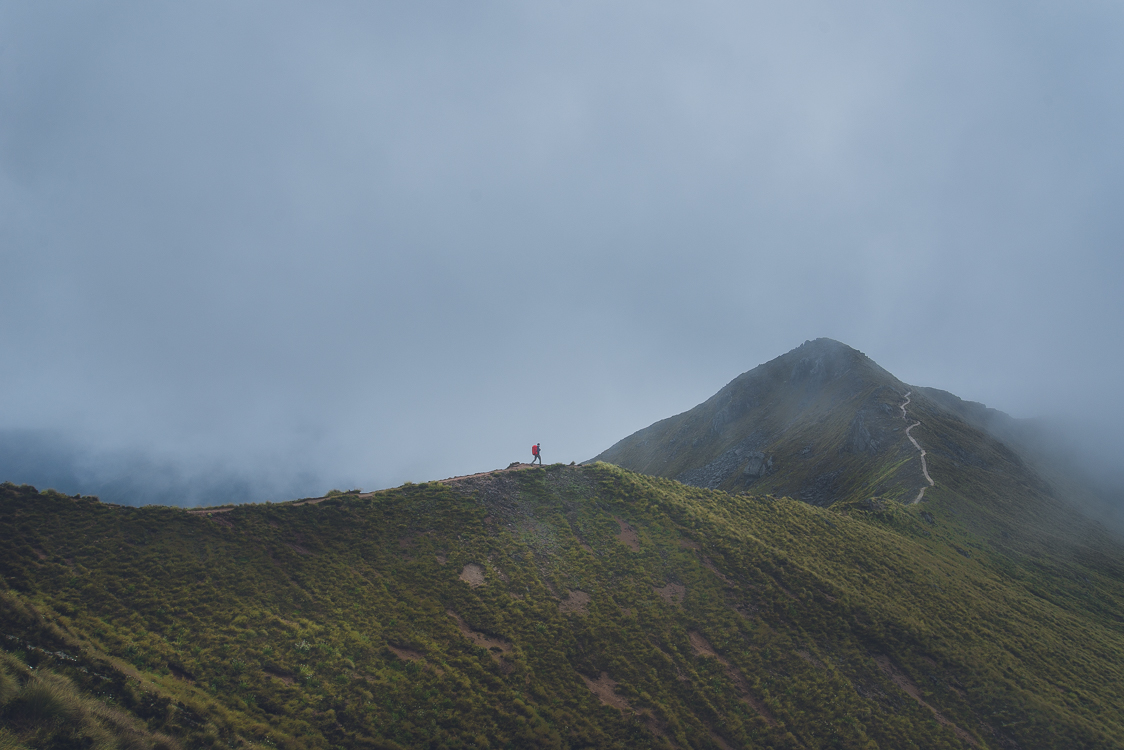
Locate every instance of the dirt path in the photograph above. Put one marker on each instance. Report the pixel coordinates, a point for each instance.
(315, 500)
(907, 686)
(513, 467)
(912, 439)
(228, 508)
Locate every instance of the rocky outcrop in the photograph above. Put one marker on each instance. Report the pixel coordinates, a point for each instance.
(743, 458)
(757, 465)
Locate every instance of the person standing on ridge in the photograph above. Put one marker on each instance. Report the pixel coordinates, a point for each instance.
(536, 453)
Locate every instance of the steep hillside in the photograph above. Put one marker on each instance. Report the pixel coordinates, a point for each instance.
(824, 423)
(820, 423)
(568, 607)
(1049, 450)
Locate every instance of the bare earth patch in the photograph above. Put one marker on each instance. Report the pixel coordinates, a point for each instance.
(688, 544)
(711, 567)
(605, 689)
(180, 674)
(577, 602)
(628, 535)
(473, 575)
(497, 647)
(672, 593)
(285, 677)
(405, 654)
(408, 654)
(701, 646)
(910, 689)
(441, 558)
(719, 741)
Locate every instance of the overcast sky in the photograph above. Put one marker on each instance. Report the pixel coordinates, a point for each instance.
(332, 244)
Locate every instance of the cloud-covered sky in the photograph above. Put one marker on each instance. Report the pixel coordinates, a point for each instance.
(331, 244)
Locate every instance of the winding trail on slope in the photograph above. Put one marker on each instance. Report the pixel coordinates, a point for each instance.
(912, 439)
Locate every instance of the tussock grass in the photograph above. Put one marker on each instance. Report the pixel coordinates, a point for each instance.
(346, 624)
(44, 709)
(45, 700)
(9, 685)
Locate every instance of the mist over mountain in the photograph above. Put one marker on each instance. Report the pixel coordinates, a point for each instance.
(805, 424)
(818, 556)
(252, 252)
(53, 459)
(1078, 458)
(390, 242)
(825, 424)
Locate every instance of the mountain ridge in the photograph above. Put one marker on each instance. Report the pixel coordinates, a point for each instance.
(780, 408)
(594, 606)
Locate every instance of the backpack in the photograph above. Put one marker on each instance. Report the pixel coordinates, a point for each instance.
(534, 450)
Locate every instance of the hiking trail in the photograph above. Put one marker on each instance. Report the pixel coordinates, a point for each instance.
(516, 466)
(912, 439)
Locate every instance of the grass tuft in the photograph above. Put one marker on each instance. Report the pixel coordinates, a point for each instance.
(46, 699)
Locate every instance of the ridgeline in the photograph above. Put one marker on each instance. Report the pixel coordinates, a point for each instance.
(933, 585)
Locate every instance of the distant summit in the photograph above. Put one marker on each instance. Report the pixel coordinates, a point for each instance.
(822, 423)
(591, 606)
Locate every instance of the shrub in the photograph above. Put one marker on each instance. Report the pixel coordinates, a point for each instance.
(47, 699)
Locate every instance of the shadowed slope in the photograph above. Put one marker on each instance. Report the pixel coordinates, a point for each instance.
(820, 423)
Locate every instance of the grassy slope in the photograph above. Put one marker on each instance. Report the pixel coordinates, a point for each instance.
(807, 423)
(328, 625)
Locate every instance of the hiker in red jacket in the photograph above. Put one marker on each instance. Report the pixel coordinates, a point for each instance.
(536, 453)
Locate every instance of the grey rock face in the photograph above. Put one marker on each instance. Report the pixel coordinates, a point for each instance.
(870, 429)
(859, 439)
(757, 465)
(820, 491)
(822, 360)
(874, 503)
(743, 457)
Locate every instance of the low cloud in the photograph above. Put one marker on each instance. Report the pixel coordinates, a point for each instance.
(370, 244)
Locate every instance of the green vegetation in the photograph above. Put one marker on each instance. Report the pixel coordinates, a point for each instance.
(41, 709)
(561, 606)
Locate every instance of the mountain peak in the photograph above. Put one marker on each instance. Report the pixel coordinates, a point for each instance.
(783, 427)
(826, 359)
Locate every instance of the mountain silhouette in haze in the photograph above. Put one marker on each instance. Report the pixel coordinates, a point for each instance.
(597, 606)
(819, 423)
(827, 425)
